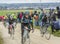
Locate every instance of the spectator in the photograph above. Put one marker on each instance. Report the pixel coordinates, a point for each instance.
(36, 18)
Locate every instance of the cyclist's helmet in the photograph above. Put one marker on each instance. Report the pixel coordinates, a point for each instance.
(11, 17)
(26, 18)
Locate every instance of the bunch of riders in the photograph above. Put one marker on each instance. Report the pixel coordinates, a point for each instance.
(34, 18)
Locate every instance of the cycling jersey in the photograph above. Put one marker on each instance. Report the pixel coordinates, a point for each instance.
(44, 19)
(11, 21)
(25, 22)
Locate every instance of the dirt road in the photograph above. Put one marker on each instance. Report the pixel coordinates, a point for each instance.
(35, 37)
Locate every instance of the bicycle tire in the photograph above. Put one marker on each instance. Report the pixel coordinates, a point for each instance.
(26, 38)
(47, 34)
(12, 33)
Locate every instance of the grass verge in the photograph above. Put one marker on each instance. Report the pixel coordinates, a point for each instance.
(56, 33)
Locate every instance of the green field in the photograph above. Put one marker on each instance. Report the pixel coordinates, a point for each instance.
(4, 12)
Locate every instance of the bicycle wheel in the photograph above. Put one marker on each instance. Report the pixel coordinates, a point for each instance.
(22, 40)
(12, 33)
(47, 34)
(26, 38)
(22, 34)
(41, 31)
(21, 37)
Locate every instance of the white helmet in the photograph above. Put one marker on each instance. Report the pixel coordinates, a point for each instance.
(11, 17)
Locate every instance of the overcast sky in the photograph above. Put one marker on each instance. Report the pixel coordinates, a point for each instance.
(28, 1)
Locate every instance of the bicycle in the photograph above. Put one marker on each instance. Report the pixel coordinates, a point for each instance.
(25, 36)
(45, 31)
(11, 31)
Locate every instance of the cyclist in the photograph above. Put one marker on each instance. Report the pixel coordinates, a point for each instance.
(10, 21)
(25, 22)
(36, 18)
(26, 28)
(43, 21)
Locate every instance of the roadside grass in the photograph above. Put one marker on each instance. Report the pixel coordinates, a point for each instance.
(55, 33)
(1, 39)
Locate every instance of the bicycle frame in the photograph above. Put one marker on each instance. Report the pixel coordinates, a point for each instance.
(44, 31)
(25, 35)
